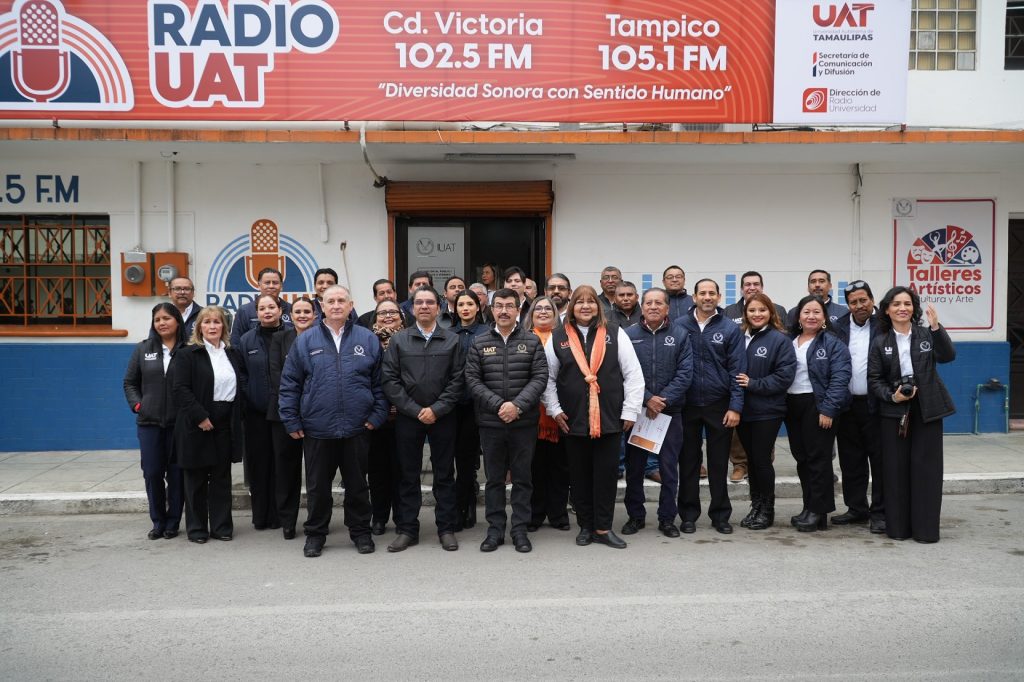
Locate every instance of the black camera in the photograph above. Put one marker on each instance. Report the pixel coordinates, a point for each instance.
(905, 385)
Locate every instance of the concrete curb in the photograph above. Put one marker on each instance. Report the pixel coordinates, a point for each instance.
(786, 487)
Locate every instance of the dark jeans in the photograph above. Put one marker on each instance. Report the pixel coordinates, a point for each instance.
(811, 446)
(383, 472)
(700, 421)
(913, 477)
(467, 458)
(323, 458)
(287, 475)
(636, 469)
(208, 489)
(507, 449)
(758, 439)
(410, 434)
(550, 477)
(165, 486)
(859, 449)
(259, 463)
(593, 469)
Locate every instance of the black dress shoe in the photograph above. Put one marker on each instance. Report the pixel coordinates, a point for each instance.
(491, 543)
(532, 527)
(723, 527)
(288, 533)
(610, 539)
(561, 525)
(632, 526)
(522, 543)
(314, 546)
(364, 544)
(802, 516)
(688, 527)
(877, 526)
(402, 542)
(274, 526)
(849, 518)
(585, 537)
(170, 534)
(813, 522)
(259, 526)
(449, 542)
(469, 518)
(668, 529)
(198, 540)
(377, 528)
(155, 534)
(224, 538)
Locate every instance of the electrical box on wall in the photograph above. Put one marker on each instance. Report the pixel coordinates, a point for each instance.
(149, 274)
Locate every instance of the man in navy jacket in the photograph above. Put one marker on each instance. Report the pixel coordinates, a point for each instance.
(713, 405)
(331, 396)
(667, 362)
(859, 446)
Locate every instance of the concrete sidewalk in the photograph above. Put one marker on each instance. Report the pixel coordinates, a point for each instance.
(107, 481)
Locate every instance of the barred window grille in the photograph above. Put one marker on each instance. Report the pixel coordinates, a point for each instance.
(1015, 35)
(943, 35)
(55, 270)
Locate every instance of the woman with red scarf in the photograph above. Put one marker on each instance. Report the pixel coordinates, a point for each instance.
(594, 394)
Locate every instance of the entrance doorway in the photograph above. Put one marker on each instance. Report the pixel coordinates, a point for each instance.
(456, 228)
(461, 246)
(1015, 316)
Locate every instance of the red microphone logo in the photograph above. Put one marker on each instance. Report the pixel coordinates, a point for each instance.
(40, 69)
(264, 245)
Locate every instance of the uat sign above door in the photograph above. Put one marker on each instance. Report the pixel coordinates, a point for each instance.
(317, 60)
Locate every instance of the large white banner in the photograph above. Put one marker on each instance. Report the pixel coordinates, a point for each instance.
(944, 249)
(841, 62)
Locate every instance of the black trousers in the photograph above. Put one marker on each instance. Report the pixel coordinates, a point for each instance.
(259, 464)
(164, 482)
(811, 446)
(550, 478)
(287, 475)
(668, 467)
(323, 458)
(758, 440)
(859, 449)
(593, 478)
(913, 477)
(467, 458)
(410, 435)
(700, 421)
(507, 449)
(208, 489)
(383, 472)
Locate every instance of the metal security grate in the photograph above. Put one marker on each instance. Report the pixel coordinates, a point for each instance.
(55, 270)
(1015, 35)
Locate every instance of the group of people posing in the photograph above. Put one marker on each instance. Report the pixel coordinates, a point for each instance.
(547, 386)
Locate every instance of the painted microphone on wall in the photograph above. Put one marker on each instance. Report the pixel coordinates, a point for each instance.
(40, 69)
(264, 244)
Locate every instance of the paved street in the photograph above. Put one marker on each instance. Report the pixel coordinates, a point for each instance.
(88, 597)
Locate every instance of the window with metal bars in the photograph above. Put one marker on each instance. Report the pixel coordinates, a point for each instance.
(55, 271)
(943, 35)
(1015, 35)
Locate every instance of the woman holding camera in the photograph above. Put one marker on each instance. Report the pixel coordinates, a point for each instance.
(912, 401)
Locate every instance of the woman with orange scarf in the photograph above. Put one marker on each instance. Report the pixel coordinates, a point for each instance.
(594, 394)
(550, 468)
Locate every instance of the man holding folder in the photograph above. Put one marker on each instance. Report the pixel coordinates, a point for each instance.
(667, 362)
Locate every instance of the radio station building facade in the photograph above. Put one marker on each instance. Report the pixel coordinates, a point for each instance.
(82, 202)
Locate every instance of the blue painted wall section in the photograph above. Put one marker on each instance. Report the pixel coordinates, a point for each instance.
(65, 397)
(69, 396)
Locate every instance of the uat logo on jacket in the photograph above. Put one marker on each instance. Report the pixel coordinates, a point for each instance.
(51, 60)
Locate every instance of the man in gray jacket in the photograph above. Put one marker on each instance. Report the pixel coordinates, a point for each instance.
(507, 372)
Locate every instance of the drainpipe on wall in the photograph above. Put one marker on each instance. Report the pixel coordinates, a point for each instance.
(138, 206)
(170, 205)
(856, 246)
(325, 229)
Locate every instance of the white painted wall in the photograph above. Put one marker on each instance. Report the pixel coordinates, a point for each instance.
(783, 220)
(989, 97)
